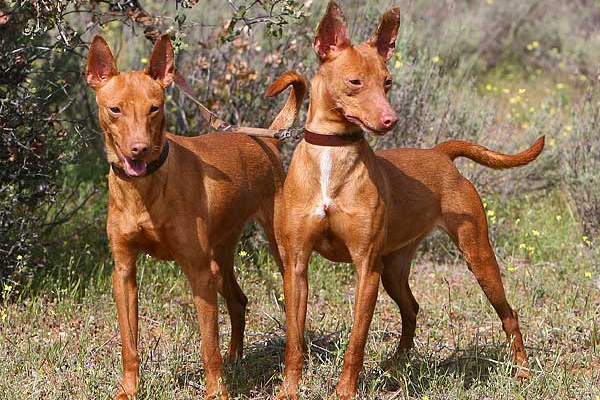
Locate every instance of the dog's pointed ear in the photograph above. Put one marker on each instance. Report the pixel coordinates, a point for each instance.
(332, 33)
(384, 38)
(101, 64)
(161, 66)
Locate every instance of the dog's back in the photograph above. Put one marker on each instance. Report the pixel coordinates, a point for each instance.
(422, 179)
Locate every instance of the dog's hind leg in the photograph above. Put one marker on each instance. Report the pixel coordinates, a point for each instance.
(395, 282)
(204, 282)
(465, 221)
(229, 289)
(265, 218)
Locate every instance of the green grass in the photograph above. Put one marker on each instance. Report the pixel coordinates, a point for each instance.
(65, 343)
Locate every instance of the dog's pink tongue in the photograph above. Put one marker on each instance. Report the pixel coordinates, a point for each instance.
(135, 167)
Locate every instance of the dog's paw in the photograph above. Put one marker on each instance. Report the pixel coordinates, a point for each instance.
(397, 360)
(283, 395)
(523, 375)
(341, 396)
(125, 396)
(287, 391)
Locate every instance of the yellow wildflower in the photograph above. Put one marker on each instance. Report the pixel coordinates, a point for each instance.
(586, 240)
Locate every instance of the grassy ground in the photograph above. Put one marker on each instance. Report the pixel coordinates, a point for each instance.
(65, 345)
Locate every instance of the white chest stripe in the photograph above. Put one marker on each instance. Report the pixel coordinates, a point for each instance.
(325, 169)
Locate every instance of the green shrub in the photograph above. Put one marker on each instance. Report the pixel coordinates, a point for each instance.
(40, 134)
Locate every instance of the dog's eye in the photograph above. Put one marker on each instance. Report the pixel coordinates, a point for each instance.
(153, 109)
(115, 110)
(388, 83)
(355, 82)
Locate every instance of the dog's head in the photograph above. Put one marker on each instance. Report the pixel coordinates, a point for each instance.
(131, 104)
(356, 77)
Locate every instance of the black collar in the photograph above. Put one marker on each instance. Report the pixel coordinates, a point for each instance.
(320, 139)
(151, 168)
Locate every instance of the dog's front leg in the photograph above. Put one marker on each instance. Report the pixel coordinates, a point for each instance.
(126, 299)
(368, 271)
(204, 289)
(295, 287)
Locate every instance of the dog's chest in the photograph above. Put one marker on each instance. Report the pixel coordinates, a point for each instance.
(342, 180)
(347, 203)
(324, 201)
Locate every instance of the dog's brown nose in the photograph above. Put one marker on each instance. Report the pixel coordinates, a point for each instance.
(389, 120)
(139, 148)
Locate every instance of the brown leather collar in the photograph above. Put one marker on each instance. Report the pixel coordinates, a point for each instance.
(331, 140)
(152, 167)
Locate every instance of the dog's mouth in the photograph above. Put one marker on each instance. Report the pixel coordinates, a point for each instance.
(132, 166)
(366, 127)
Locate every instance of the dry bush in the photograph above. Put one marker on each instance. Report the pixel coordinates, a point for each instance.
(580, 162)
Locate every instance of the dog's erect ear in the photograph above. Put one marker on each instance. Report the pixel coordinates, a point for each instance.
(101, 64)
(384, 38)
(332, 33)
(161, 66)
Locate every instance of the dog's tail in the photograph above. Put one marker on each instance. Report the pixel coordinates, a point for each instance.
(487, 157)
(290, 110)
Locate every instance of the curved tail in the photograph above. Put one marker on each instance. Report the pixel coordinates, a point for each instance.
(490, 158)
(290, 110)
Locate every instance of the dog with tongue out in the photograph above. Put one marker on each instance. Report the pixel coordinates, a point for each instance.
(181, 198)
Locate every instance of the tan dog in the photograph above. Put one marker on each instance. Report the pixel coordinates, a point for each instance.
(181, 198)
(373, 209)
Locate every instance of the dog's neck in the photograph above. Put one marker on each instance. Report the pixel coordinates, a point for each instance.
(324, 116)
